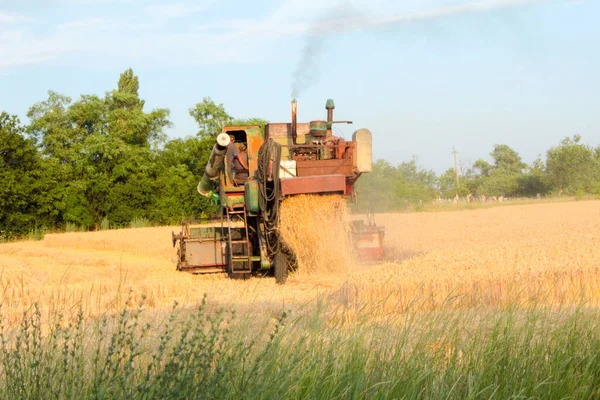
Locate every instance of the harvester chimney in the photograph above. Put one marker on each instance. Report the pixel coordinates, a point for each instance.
(294, 121)
(329, 106)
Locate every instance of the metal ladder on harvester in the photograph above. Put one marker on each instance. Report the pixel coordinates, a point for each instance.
(240, 257)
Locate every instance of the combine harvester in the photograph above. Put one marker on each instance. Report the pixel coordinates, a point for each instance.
(287, 159)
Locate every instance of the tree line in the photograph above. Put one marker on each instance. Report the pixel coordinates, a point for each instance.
(105, 161)
(569, 168)
(102, 162)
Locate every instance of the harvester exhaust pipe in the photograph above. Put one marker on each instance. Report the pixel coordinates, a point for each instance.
(214, 164)
(329, 106)
(294, 121)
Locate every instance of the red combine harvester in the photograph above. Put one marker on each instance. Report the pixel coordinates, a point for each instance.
(287, 159)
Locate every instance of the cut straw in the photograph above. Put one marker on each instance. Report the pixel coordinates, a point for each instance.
(314, 227)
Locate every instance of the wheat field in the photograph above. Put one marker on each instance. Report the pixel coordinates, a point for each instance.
(490, 303)
(481, 258)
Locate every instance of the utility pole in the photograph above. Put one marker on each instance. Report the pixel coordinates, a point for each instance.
(455, 165)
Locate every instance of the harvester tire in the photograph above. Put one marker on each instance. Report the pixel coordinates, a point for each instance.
(281, 267)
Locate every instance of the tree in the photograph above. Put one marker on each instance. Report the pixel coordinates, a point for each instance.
(136, 136)
(500, 178)
(448, 187)
(129, 84)
(389, 188)
(62, 147)
(51, 128)
(127, 118)
(19, 176)
(482, 168)
(413, 184)
(507, 159)
(98, 154)
(250, 121)
(210, 117)
(500, 183)
(181, 164)
(571, 166)
(534, 180)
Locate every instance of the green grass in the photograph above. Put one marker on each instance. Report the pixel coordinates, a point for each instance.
(139, 222)
(105, 224)
(37, 233)
(531, 352)
(72, 227)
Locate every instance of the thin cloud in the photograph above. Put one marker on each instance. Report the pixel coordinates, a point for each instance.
(451, 10)
(11, 18)
(87, 23)
(279, 26)
(175, 10)
(336, 25)
(143, 41)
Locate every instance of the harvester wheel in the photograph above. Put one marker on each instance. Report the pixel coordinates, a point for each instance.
(281, 267)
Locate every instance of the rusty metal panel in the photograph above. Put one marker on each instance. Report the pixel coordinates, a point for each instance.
(325, 167)
(254, 139)
(282, 134)
(206, 232)
(371, 254)
(208, 253)
(277, 130)
(313, 184)
(368, 241)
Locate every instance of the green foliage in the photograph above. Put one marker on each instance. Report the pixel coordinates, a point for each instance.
(181, 164)
(534, 181)
(502, 178)
(99, 157)
(415, 184)
(251, 121)
(391, 187)
(210, 117)
(103, 159)
(506, 159)
(482, 168)
(37, 233)
(71, 227)
(449, 188)
(500, 183)
(512, 353)
(573, 166)
(19, 178)
(104, 224)
(139, 222)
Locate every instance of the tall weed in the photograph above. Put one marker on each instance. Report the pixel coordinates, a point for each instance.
(207, 353)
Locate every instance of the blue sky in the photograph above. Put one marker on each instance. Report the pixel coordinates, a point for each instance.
(423, 75)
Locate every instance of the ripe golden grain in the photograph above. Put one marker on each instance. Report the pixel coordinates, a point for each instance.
(315, 229)
(486, 258)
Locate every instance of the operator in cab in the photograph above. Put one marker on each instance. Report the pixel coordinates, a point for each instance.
(237, 160)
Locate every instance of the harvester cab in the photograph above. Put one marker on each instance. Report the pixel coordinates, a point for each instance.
(285, 159)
